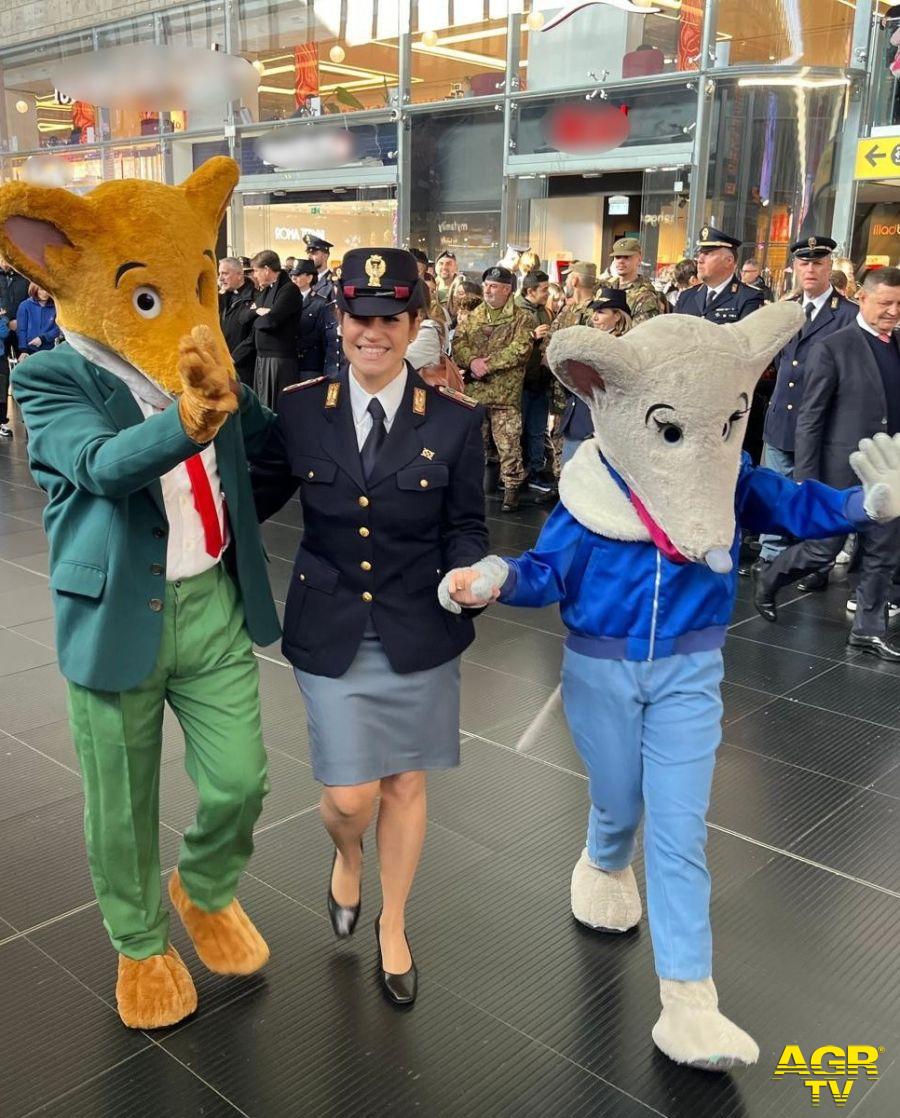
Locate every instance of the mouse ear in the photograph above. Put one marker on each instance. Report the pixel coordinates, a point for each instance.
(40, 229)
(210, 187)
(587, 361)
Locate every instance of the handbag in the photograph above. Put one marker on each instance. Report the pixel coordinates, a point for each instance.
(444, 373)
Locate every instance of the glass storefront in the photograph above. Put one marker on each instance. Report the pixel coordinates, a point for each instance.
(470, 124)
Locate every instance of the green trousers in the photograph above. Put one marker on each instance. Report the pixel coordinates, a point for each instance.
(207, 673)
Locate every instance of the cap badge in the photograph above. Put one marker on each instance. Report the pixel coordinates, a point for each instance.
(704, 232)
(375, 268)
(426, 453)
(812, 242)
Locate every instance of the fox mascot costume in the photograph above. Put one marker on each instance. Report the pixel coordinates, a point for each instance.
(640, 553)
(138, 433)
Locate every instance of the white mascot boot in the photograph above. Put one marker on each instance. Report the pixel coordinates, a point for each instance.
(691, 1030)
(607, 901)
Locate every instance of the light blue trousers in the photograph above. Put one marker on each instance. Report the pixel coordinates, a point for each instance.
(648, 733)
(782, 462)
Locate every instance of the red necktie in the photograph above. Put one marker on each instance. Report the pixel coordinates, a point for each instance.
(884, 337)
(205, 504)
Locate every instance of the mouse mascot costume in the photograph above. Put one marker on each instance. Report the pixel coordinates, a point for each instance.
(640, 554)
(138, 433)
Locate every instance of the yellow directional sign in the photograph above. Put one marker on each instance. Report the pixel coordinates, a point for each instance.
(878, 157)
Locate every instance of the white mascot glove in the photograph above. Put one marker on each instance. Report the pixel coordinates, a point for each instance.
(877, 465)
(492, 571)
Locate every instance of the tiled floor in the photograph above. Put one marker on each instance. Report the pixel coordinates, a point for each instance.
(521, 1011)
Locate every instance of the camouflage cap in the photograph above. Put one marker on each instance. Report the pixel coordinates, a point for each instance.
(583, 268)
(626, 246)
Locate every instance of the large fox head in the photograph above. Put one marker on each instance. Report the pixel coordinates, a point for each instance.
(670, 402)
(131, 266)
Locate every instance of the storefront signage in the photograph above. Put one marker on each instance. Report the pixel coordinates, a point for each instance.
(878, 157)
(618, 205)
(587, 128)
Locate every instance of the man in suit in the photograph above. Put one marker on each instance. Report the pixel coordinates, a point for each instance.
(851, 392)
(278, 306)
(236, 315)
(317, 250)
(751, 275)
(826, 312)
(318, 348)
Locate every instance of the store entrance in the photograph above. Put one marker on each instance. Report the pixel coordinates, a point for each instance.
(876, 227)
(346, 216)
(579, 217)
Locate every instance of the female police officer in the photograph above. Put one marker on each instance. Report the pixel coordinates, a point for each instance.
(390, 475)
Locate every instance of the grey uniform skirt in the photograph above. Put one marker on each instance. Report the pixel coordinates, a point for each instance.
(372, 722)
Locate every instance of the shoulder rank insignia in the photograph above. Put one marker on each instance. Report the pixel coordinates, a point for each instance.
(459, 397)
(303, 384)
(334, 393)
(419, 401)
(835, 302)
(734, 288)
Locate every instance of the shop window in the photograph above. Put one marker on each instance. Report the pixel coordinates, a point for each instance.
(458, 49)
(318, 145)
(321, 58)
(82, 168)
(37, 114)
(367, 216)
(886, 84)
(455, 184)
(773, 155)
(598, 43)
(791, 32)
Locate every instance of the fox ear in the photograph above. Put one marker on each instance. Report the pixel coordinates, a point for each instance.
(210, 187)
(40, 228)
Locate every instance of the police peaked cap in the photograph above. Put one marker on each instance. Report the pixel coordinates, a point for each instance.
(813, 248)
(316, 244)
(379, 282)
(710, 237)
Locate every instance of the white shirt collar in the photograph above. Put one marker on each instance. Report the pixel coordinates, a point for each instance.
(819, 301)
(863, 325)
(721, 287)
(390, 397)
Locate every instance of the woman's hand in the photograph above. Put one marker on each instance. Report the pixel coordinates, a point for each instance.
(36, 342)
(473, 587)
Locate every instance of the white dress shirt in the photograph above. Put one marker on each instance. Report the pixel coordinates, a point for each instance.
(718, 291)
(390, 398)
(863, 325)
(819, 302)
(186, 553)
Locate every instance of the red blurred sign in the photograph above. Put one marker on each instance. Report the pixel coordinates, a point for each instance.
(587, 128)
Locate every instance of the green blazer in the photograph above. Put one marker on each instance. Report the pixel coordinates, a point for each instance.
(99, 461)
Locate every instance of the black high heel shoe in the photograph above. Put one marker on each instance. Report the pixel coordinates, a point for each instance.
(401, 989)
(343, 917)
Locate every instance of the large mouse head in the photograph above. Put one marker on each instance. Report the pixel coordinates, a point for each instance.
(131, 266)
(669, 403)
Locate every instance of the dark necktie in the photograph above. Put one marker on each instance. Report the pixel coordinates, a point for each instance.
(710, 295)
(375, 438)
(809, 310)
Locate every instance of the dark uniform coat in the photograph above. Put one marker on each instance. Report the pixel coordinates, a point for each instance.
(324, 286)
(377, 549)
(843, 401)
(781, 418)
(733, 303)
(275, 333)
(237, 318)
(318, 347)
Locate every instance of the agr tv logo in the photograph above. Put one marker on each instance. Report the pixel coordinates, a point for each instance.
(830, 1064)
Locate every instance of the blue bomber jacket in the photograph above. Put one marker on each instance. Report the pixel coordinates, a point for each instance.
(626, 601)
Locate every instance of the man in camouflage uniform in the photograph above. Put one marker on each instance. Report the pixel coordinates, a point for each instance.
(492, 347)
(625, 275)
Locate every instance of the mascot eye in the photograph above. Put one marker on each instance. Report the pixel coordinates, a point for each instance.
(671, 432)
(736, 417)
(147, 301)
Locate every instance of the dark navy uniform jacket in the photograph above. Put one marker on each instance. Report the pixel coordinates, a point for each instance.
(781, 418)
(733, 303)
(380, 549)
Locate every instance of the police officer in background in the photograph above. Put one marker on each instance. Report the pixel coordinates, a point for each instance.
(317, 251)
(492, 347)
(720, 297)
(390, 478)
(826, 311)
(318, 348)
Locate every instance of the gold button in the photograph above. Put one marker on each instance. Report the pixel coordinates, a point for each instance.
(795, 363)
(367, 597)
(364, 532)
(365, 565)
(312, 473)
(790, 407)
(423, 482)
(363, 502)
(303, 578)
(790, 384)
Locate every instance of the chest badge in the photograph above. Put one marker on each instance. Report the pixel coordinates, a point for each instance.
(419, 401)
(333, 395)
(426, 453)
